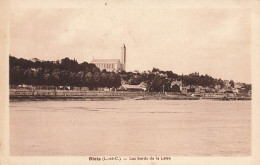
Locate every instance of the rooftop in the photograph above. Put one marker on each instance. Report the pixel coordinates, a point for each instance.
(105, 61)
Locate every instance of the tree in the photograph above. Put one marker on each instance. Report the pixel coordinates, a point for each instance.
(80, 79)
(170, 74)
(55, 77)
(135, 80)
(89, 80)
(16, 75)
(248, 87)
(70, 65)
(73, 79)
(28, 75)
(96, 79)
(117, 81)
(155, 70)
(221, 83)
(38, 78)
(156, 84)
(47, 78)
(232, 84)
(64, 77)
(104, 80)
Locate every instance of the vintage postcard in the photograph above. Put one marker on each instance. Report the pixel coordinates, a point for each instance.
(130, 82)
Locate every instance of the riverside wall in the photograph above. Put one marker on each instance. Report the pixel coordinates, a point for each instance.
(32, 94)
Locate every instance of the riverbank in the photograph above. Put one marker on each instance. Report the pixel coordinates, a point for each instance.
(37, 95)
(96, 98)
(47, 98)
(15, 98)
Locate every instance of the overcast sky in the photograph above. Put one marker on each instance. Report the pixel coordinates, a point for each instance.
(212, 41)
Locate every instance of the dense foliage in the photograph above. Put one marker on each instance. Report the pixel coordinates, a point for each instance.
(69, 72)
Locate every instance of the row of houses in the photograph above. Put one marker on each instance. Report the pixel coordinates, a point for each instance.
(238, 88)
(176, 86)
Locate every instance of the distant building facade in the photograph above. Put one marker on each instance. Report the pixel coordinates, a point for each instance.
(112, 64)
(176, 86)
(128, 87)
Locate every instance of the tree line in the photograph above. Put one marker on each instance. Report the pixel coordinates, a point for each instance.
(68, 72)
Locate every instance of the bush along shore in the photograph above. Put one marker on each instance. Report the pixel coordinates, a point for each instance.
(34, 95)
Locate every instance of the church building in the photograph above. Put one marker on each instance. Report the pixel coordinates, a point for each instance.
(112, 64)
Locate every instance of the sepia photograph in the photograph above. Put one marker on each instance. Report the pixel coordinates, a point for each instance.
(130, 81)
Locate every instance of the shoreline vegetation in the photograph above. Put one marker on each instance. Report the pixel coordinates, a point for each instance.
(67, 72)
(45, 95)
(69, 80)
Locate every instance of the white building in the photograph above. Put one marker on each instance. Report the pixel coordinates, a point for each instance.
(112, 64)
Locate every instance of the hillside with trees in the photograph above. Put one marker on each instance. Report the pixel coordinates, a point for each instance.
(68, 72)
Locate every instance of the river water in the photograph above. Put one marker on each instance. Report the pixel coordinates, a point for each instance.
(130, 127)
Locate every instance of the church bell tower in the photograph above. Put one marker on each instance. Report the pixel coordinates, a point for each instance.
(123, 56)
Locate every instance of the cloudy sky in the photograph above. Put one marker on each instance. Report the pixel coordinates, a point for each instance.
(212, 41)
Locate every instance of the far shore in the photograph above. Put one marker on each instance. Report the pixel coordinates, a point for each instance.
(96, 98)
(112, 96)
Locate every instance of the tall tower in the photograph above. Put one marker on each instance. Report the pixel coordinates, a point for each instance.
(123, 56)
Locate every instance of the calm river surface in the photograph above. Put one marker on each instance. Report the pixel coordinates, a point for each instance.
(131, 127)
